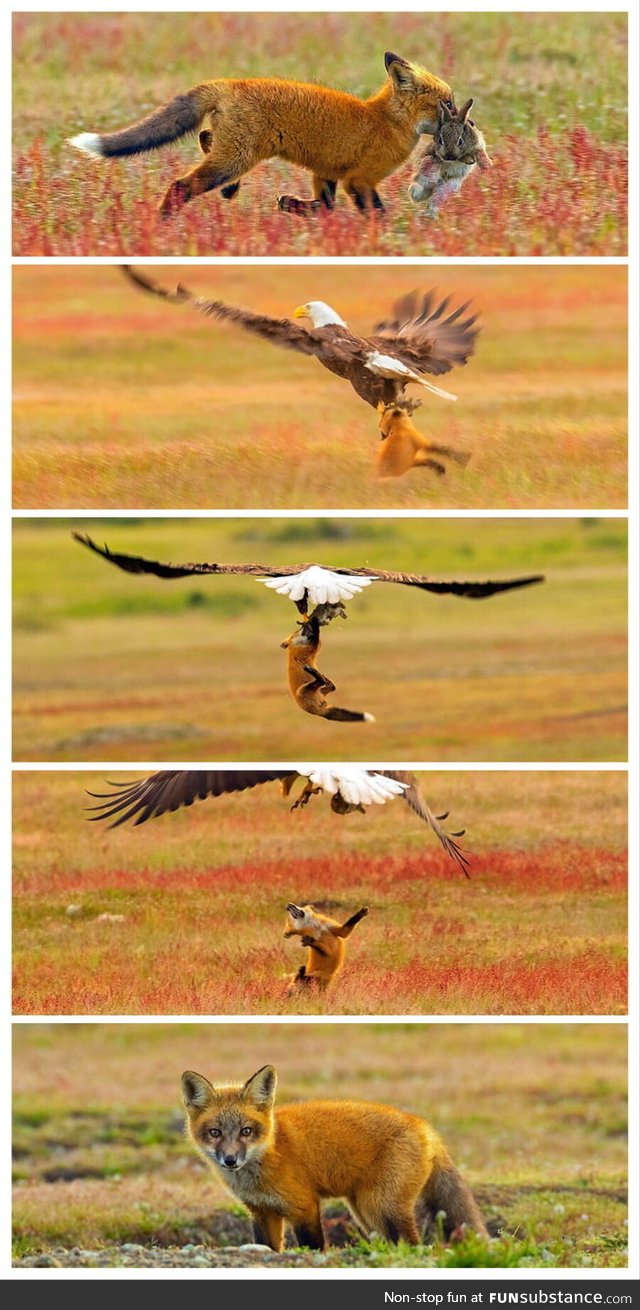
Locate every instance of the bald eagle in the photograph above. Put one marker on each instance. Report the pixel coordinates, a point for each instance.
(420, 337)
(349, 787)
(307, 584)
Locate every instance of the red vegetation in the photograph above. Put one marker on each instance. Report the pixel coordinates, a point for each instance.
(560, 867)
(546, 195)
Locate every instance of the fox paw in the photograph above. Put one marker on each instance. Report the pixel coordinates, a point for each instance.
(292, 205)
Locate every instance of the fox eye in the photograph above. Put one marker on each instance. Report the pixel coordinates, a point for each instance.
(215, 1132)
(246, 1132)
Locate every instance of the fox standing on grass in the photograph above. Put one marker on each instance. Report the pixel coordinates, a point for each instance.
(338, 137)
(391, 1167)
(324, 939)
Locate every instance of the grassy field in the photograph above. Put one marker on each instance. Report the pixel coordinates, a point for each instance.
(121, 401)
(539, 929)
(114, 667)
(534, 1116)
(550, 94)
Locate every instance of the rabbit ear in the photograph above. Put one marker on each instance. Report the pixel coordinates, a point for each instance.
(463, 113)
(482, 159)
(444, 112)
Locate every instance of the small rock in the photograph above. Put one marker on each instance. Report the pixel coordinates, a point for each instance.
(73, 911)
(253, 1246)
(46, 1262)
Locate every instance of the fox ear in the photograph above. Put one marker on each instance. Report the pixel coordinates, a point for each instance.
(400, 72)
(197, 1091)
(261, 1088)
(464, 112)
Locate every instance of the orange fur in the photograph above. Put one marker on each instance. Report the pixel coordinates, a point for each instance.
(403, 448)
(308, 686)
(391, 1167)
(324, 939)
(338, 137)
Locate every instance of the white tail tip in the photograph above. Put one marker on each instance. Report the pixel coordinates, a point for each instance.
(369, 718)
(89, 142)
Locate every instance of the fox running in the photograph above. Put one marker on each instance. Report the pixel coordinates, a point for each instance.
(336, 136)
(391, 1167)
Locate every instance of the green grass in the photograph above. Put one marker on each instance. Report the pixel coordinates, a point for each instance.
(122, 402)
(529, 1117)
(533, 675)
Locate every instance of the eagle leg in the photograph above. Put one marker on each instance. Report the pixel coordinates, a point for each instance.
(307, 792)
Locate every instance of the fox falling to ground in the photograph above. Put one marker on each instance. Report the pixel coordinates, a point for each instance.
(338, 137)
(324, 939)
(391, 1167)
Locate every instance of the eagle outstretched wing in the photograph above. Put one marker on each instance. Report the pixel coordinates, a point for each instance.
(171, 790)
(413, 797)
(280, 331)
(424, 336)
(471, 590)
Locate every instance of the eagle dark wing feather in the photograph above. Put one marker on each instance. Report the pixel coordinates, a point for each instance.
(473, 590)
(424, 336)
(414, 798)
(138, 564)
(171, 790)
(280, 331)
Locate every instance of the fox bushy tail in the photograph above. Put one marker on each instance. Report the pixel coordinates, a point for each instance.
(446, 1193)
(347, 716)
(169, 123)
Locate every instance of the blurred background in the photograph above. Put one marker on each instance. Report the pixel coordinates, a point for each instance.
(123, 401)
(109, 666)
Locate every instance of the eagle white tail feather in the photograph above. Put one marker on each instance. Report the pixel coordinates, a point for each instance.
(89, 142)
(386, 366)
(437, 391)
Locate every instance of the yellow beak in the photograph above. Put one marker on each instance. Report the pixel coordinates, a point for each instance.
(300, 312)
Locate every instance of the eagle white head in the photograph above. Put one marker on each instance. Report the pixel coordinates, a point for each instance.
(321, 315)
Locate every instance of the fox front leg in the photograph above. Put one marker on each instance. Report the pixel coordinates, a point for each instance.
(317, 680)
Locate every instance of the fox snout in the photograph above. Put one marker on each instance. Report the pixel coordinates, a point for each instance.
(295, 911)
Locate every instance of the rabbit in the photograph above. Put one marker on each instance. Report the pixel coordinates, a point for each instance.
(457, 147)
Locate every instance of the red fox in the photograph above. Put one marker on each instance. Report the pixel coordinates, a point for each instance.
(324, 939)
(308, 686)
(391, 1167)
(402, 447)
(335, 135)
